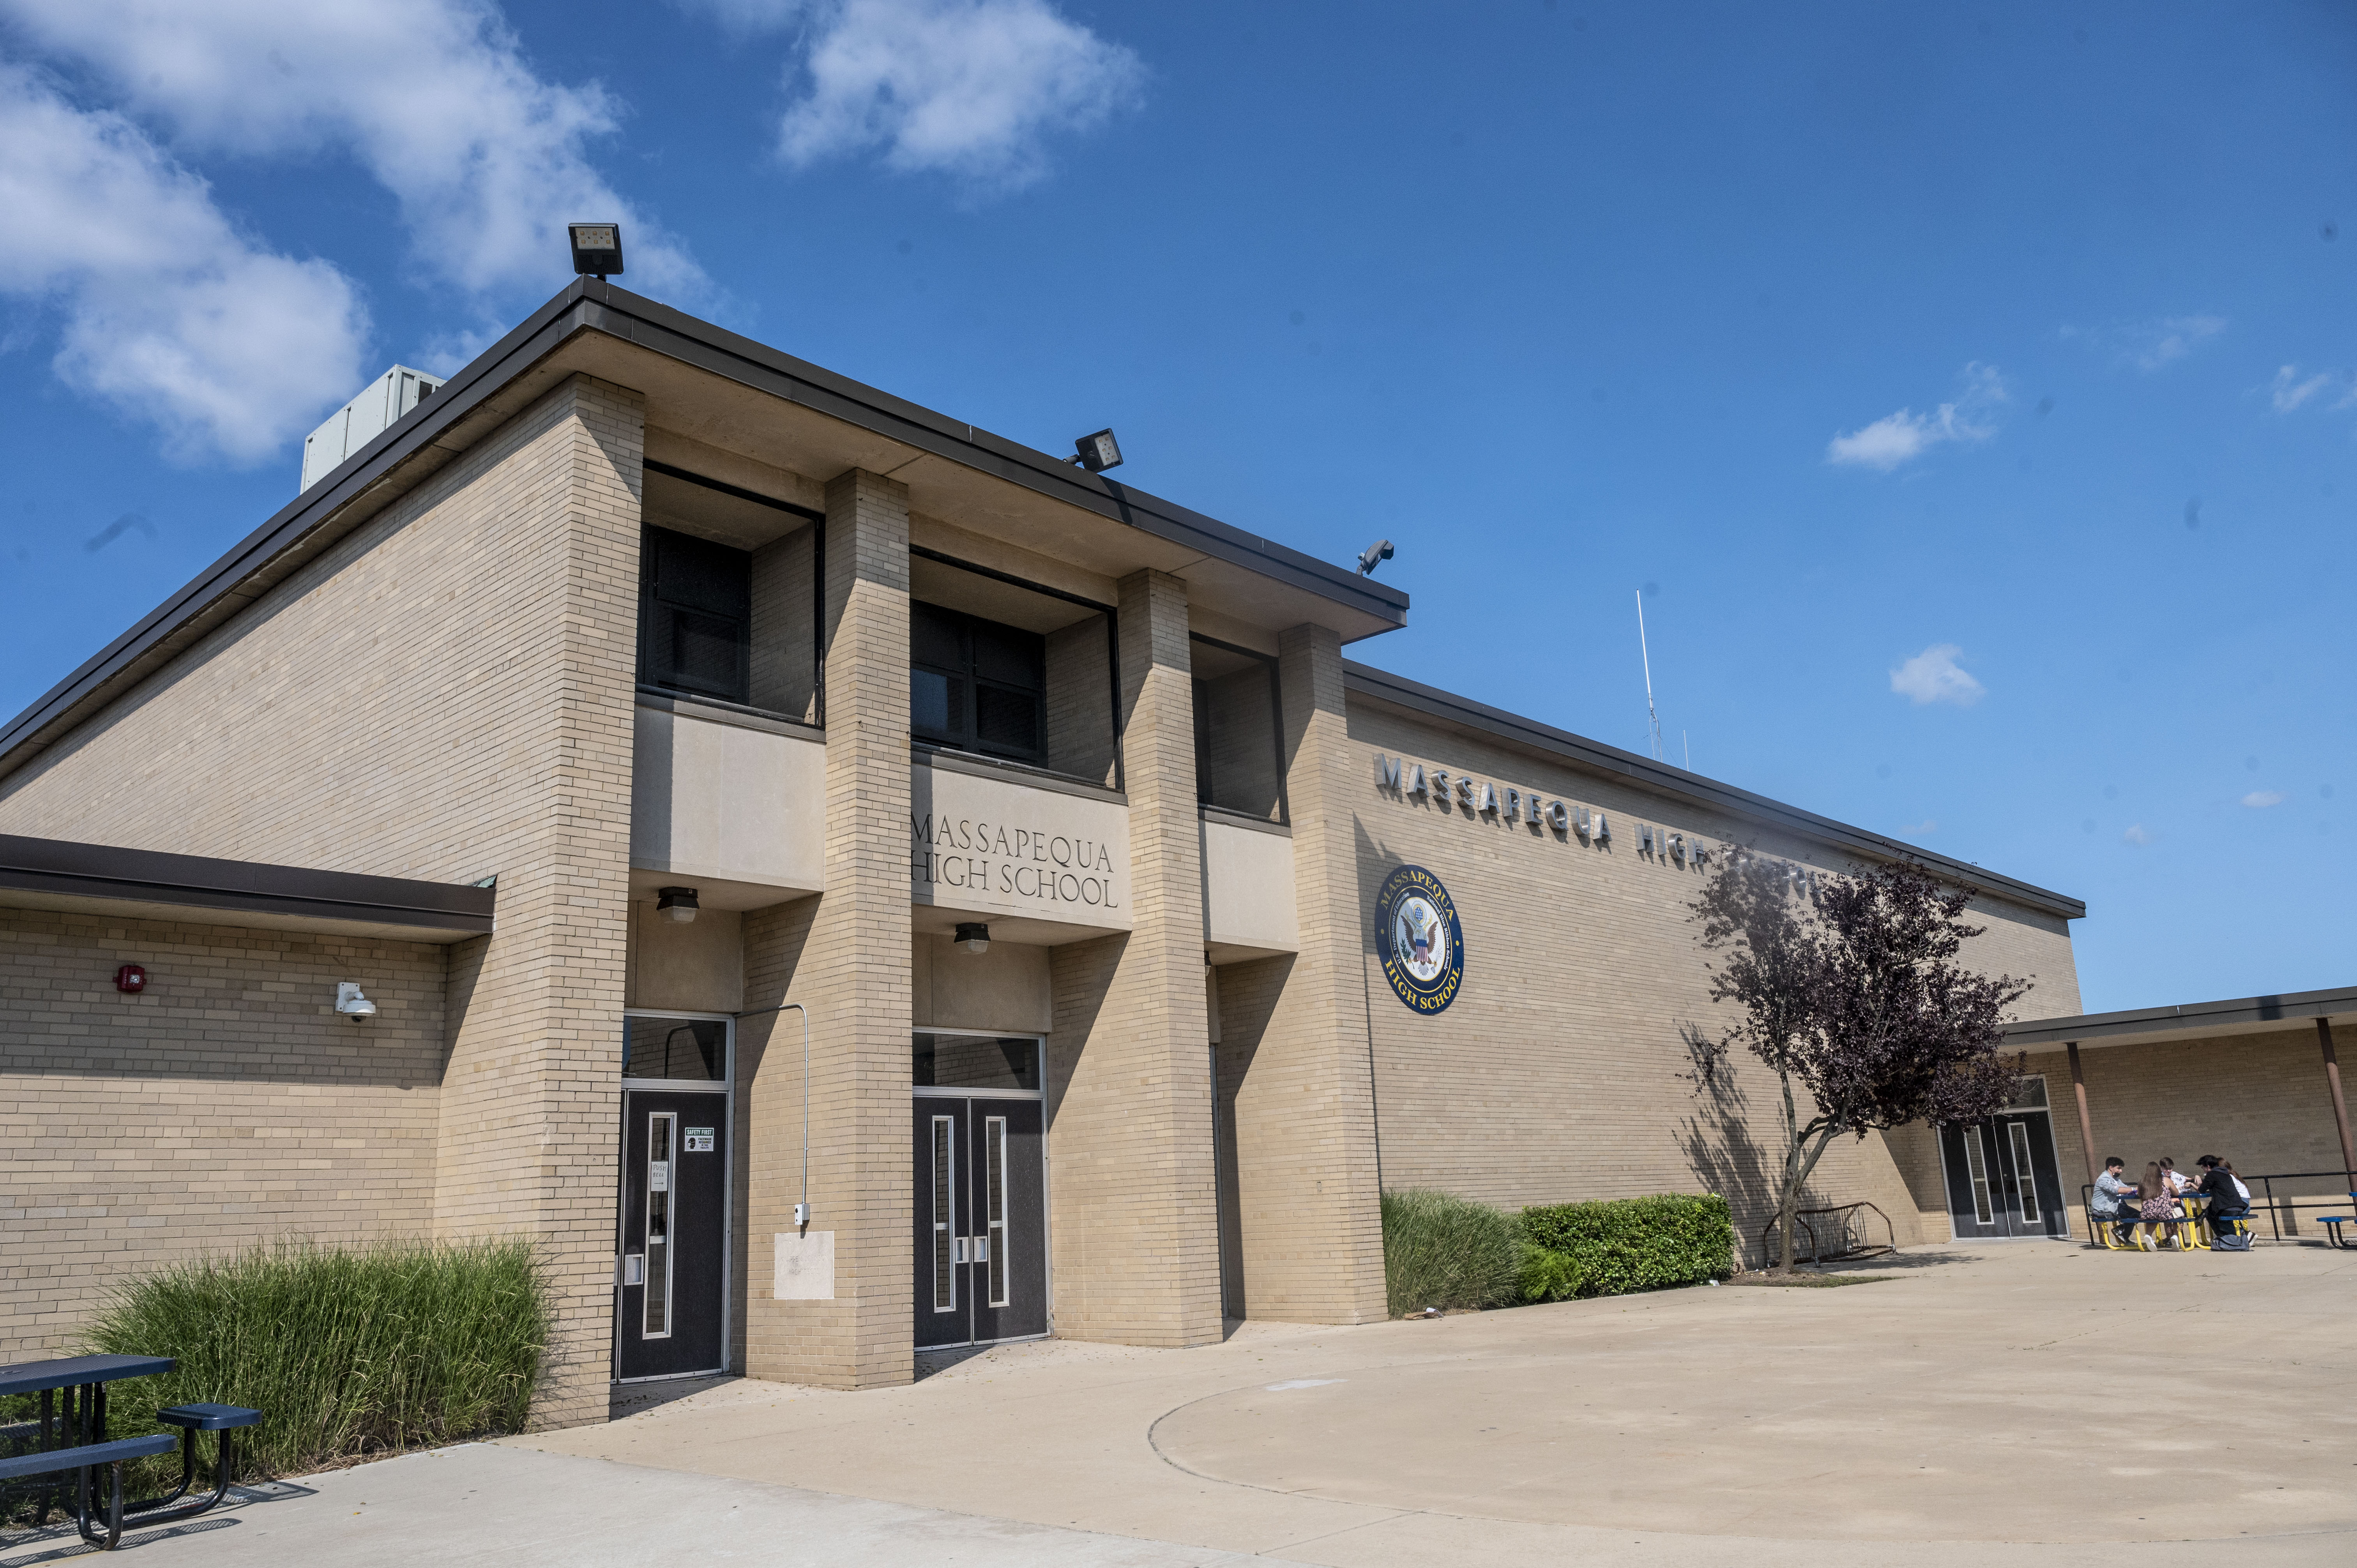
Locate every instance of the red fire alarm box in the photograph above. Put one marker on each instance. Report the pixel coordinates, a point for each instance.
(131, 980)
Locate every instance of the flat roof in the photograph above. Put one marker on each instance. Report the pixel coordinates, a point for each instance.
(2188, 1020)
(319, 516)
(1658, 778)
(143, 884)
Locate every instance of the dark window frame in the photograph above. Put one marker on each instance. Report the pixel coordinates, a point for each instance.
(817, 519)
(1275, 719)
(968, 669)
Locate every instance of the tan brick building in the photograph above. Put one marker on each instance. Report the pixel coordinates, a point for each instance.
(645, 694)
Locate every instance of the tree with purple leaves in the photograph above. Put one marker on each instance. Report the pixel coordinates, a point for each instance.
(1851, 995)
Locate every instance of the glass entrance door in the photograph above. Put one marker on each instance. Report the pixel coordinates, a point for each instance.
(672, 1231)
(981, 1209)
(2002, 1175)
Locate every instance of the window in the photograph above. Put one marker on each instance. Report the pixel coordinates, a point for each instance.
(696, 616)
(978, 686)
(687, 1050)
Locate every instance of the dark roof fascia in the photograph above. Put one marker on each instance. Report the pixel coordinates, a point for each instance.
(152, 876)
(1595, 757)
(716, 349)
(316, 519)
(2190, 1018)
(309, 524)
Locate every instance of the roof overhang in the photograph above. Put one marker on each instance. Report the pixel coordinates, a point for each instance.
(2188, 1021)
(147, 885)
(1595, 757)
(741, 395)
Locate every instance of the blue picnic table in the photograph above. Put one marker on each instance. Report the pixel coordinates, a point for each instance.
(69, 1437)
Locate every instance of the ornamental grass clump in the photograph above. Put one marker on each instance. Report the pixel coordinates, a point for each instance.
(1447, 1251)
(347, 1352)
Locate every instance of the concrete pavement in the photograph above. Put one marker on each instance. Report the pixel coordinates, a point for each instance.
(2035, 1403)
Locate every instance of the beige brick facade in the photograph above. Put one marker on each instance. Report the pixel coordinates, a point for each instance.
(443, 694)
(1132, 1188)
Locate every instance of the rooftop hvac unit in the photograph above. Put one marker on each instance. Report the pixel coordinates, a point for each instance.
(363, 419)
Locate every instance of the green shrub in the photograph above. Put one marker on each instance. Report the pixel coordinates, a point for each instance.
(1637, 1243)
(345, 1352)
(1549, 1276)
(1443, 1250)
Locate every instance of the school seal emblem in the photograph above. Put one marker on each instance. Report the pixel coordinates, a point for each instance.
(1422, 946)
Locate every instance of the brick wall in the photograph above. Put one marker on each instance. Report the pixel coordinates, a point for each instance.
(225, 1105)
(446, 693)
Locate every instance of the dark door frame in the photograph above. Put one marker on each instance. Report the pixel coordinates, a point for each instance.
(2048, 1203)
(1047, 1173)
(726, 1088)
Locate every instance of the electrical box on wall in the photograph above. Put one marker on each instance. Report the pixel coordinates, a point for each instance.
(363, 419)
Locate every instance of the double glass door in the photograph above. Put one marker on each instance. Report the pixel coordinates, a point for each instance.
(2002, 1178)
(981, 1208)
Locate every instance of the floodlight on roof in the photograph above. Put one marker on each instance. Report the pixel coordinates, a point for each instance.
(1097, 453)
(596, 248)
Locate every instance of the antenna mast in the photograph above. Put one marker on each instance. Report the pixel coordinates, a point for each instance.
(1652, 718)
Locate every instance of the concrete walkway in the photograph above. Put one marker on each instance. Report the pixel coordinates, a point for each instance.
(2034, 1404)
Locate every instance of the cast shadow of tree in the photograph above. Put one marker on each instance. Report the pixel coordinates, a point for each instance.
(1716, 1138)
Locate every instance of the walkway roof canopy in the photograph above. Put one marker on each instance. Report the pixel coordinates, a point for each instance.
(2188, 1021)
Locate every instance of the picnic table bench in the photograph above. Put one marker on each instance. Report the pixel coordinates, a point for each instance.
(73, 1438)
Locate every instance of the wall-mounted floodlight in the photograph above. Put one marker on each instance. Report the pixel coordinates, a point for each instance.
(676, 904)
(1374, 555)
(972, 937)
(596, 248)
(351, 1004)
(1097, 453)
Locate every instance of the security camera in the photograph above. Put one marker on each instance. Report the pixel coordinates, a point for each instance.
(1376, 555)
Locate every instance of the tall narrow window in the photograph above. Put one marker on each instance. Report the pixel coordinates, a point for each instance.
(993, 1153)
(661, 1126)
(1978, 1165)
(696, 616)
(2024, 1178)
(944, 1216)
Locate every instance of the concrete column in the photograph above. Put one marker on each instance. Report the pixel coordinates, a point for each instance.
(1295, 1036)
(846, 955)
(2339, 1103)
(1131, 1178)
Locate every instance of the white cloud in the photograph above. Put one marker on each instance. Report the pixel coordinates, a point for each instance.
(1901, 437)
(2258, 797)
(1917, 829)
(2150, 345)
(2290, 390)
(2136, 836)
(1932, 676)
(167, 311)
(434, 98)
(971, 89)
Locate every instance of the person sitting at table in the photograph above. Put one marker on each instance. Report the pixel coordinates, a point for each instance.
(2155, 1207)
(2110, 1201)
(2229, 1200)
(2179, 1184)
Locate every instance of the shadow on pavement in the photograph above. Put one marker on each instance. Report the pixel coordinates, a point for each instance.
(636, 1399)
(54, 1542)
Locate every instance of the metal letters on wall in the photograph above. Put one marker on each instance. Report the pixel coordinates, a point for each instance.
(1420, 938)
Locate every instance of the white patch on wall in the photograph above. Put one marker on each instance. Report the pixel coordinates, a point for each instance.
(805, 1266)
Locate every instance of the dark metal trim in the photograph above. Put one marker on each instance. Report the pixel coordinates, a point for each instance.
(309, 524)
(152, 876)
(756, 497)
(1643, 772)
(2190, 1018)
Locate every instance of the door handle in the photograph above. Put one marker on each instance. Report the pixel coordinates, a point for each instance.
(982, 1249)
(961, 1256)
(633, 1271)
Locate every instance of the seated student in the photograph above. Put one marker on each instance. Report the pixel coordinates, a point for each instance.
(2229, 1200)
(2107, 1202)
(2156, 1210)
(2179, 1185)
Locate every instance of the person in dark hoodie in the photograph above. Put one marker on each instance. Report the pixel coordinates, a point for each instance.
(2227, 1203)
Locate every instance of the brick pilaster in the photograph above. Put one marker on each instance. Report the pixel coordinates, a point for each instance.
(1130, 1181)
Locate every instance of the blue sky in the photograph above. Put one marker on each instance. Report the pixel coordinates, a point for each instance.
(1849, 335)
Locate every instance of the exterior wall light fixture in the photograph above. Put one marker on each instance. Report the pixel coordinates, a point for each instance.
(596, 248)
(351, 1004)
(1097, 453)
(676, 904)
(1374, 555)
(973, 937)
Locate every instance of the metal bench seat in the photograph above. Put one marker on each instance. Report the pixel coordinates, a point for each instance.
(81, 1460)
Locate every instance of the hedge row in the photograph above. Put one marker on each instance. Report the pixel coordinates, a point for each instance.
(1447, 1251)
